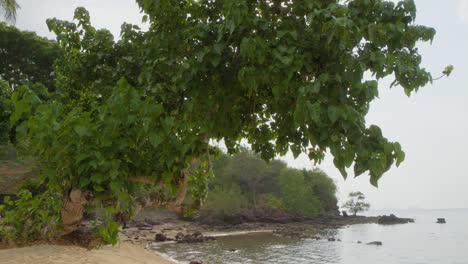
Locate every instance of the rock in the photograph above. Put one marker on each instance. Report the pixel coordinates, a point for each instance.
(145, 228)
(179, 236)
(192, 238)
(344, 213)
(195, 262)
(375, 243)
(152, 222)
(392, 219)
(359, 242)
(331, 239)
(339, 240)
(232, 250)
(160, 237)
(441, 221)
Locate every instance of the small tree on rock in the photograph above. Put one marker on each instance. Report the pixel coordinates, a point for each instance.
(356, 203)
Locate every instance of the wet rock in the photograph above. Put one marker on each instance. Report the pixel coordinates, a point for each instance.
(375, 243)
(179, 236)
(160, 237)
(392, 219)
(195, 262)
(339, 240)
(331, 239)
(441, 221)
(232, 250)
(359, 242)
(192, 238)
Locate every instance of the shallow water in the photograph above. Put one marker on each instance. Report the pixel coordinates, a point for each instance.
(421, 242)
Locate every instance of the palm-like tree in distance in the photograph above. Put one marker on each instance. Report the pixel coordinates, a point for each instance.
(9, 8)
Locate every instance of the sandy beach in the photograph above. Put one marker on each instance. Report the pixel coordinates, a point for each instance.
(124, 253)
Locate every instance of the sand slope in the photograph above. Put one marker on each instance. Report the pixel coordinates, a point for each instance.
(51, 254)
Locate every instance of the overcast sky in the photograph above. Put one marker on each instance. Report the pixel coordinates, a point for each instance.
(432, 125)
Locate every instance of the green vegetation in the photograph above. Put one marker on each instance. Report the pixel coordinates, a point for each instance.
(9, 8)
(356, 203)
(285, 76)
(244, 182)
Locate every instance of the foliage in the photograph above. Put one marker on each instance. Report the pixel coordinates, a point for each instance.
(30, 217)
(271, 201)
(5, 111)
(324, 188)
(226, 201)
(272, 185)
(9, 8)
(356, 203)
(26, 57)
(285, 76)
(297, 197)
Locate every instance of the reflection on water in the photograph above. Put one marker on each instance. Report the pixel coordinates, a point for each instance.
(421, 242)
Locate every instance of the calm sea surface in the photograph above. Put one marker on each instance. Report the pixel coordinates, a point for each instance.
(423, 242)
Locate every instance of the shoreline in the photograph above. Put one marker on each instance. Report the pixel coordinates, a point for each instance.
(138, 244)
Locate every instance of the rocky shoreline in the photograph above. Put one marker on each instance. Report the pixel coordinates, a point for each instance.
(148, 233)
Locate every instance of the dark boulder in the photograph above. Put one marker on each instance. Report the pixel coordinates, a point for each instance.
(441, 221)
(160, 237)
(195, 262)
(375, 243)
(359, 242)
(344, 213)
(392, 219)
(331, 239)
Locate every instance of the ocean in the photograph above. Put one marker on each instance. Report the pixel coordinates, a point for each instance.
(422, 242)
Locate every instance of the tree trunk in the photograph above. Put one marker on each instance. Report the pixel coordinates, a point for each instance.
(176, 205)
(72, 211)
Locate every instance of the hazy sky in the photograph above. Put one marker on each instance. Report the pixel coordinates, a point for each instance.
(432, 125)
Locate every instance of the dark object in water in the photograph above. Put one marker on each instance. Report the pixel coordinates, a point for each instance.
(441, 221)
(195, 262)
(344, 213)
(232, 250)
(359, 242)
(331, 239)
(392, 219)
(375, 243)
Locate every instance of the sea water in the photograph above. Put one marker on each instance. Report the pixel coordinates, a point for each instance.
(422, 242)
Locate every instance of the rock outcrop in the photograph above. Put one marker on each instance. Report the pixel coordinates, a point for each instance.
(392, 219)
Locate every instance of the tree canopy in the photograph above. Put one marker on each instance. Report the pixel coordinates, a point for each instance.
(284, 75)
(356, 203)
(26, 57)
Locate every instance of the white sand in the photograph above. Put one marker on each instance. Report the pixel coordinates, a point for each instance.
(125, 253)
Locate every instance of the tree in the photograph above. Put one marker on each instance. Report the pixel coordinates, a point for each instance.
(26, 57)
(325, 189)
(284, 76)
(356, 203)
(297, 197)
(5, 111)
(9, 8)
